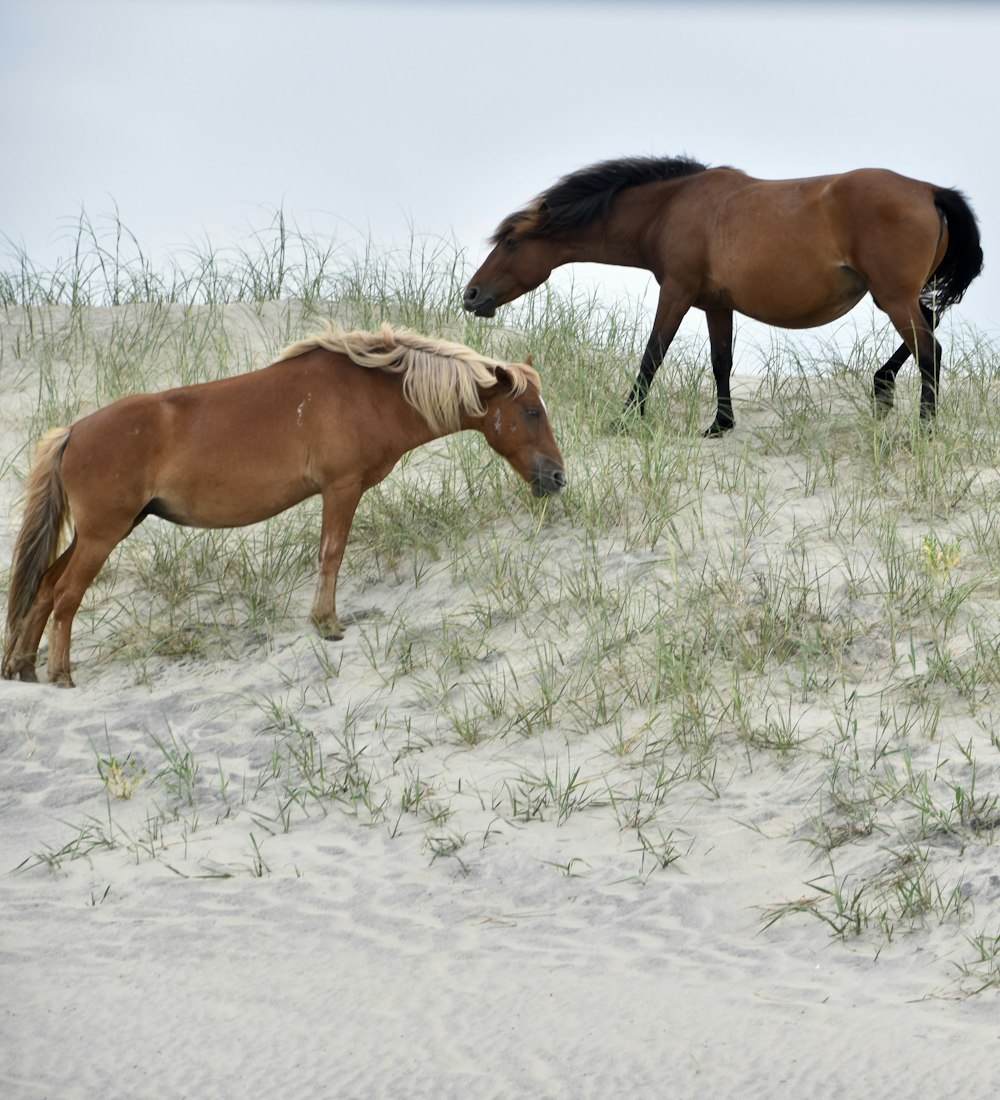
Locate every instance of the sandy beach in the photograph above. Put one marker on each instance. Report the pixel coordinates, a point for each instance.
(461, 852)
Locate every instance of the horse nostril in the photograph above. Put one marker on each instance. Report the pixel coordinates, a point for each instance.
(470, 295)
(559, 479)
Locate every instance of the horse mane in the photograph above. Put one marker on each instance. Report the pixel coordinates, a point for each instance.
(580, 197)
(441, 380)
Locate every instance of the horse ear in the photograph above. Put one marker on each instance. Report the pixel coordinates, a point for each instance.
(527, 360)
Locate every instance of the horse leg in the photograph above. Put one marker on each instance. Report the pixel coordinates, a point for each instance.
(884, 381)
(720, 338)
(27, 634)
(652, 357)
(90, 553)
(339, 506)
(669, 314)
(917, 330)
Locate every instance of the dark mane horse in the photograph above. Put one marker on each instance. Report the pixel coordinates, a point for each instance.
(791, 253)
(577, 199)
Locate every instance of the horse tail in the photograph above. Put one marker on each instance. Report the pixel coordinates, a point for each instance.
(963, 260)
(46, 514)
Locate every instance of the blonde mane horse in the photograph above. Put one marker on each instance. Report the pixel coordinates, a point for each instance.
(331, 416)
(441, 380)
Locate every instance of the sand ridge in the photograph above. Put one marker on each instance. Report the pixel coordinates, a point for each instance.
(466, 906)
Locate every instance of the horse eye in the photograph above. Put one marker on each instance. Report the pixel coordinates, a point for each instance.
(511, 242)
(533, 411)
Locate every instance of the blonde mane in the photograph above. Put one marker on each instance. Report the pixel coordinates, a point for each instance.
(441, 380)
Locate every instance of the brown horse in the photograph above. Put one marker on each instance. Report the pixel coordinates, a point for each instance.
(791, 253)
(331, 416)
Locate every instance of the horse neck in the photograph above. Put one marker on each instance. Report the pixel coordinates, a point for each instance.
(625, 236)
(396, 426)
(595, 243)
(414, 431)
(409, 428)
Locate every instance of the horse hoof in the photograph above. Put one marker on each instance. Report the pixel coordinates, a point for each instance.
(631, 417)
(25, 673)
(715, 430)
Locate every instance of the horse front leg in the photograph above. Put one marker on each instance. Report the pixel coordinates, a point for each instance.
(652, 357)
(669, 314)
(339, 505)
(720, 338)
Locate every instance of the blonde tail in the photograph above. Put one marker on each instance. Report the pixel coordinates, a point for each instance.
(46, 514)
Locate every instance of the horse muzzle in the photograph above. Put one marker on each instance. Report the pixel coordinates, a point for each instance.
(548, 481)
(475, 301)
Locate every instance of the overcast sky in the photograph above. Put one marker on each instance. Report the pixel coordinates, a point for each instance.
(199, 119)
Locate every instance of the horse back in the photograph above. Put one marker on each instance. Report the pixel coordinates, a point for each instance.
(802, 252)
(238, 450)
(222, 453)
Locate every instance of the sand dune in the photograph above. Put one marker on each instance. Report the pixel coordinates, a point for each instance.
(326, 885)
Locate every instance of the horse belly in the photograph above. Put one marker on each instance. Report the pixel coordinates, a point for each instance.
(216, 497)
(792, 296)
(232, 466)
(223, 454)
(777, 252)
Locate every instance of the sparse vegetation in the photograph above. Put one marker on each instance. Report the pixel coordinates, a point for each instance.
(813, 598)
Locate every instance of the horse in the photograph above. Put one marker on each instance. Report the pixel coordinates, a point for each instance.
(792, 253)
(331, 416)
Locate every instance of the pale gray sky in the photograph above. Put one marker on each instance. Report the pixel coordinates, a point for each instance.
(199, 119)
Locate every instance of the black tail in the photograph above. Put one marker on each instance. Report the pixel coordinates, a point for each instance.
(964, 259)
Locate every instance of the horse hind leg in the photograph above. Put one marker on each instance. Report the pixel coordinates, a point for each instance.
(68, 591)
(929, 362)
(884, 380)
(26, 636)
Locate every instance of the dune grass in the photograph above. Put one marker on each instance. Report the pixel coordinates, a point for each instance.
(816, 593)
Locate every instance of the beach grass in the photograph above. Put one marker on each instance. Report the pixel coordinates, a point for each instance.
(812, 598)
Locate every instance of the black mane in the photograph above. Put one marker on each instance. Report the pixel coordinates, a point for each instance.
(580, 197)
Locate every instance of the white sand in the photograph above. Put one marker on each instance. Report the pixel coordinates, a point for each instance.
(358, 965)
